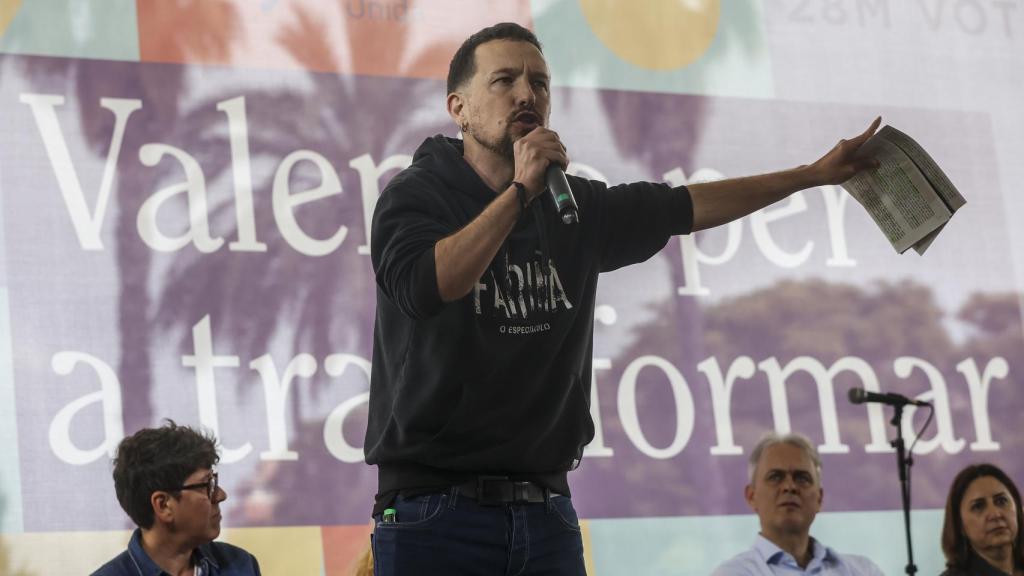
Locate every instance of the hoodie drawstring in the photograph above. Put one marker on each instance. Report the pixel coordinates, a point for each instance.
(501, 269)
(542, 230)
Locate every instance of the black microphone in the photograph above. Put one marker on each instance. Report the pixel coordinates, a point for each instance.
(860, 396)
(561, 194)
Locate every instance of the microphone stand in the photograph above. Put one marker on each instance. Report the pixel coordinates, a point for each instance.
(904, 461)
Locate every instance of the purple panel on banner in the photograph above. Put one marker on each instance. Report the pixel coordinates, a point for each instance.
(810, 287)
(197, 285)
(219, 276)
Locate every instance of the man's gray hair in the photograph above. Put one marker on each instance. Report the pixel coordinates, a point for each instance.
(793, 439)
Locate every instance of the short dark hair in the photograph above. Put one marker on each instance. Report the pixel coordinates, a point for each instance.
(954, 542)
(155, 459)
(463, 64)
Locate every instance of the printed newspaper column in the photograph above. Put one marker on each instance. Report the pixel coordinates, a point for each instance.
(908, 195)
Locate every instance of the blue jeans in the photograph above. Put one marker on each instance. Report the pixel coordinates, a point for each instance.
(449, 534)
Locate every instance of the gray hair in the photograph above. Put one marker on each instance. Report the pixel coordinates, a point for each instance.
(793, 439)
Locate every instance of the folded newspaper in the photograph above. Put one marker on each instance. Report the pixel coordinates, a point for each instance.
(908, 195)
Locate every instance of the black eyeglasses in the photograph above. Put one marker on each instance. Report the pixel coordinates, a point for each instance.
(210, 486)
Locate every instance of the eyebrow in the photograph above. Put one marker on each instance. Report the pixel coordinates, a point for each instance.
(982, 499)
(789, 470)
(516, 71)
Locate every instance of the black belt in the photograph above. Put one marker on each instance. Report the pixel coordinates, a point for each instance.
(494, 490)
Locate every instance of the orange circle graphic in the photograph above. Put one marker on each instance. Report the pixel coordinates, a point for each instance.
(654, 34)
(8, 8)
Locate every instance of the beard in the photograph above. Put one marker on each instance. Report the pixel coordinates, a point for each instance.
(500, 145)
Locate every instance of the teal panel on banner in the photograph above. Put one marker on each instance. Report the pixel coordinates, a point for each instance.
(881, 537)
(101, 29)
(683, 546)
(716, 48)
(10, 484)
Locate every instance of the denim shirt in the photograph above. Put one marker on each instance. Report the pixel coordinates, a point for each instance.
(211, 559)
(767, 559)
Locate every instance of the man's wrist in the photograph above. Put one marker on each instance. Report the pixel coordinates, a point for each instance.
(806, 176)
(521, 196)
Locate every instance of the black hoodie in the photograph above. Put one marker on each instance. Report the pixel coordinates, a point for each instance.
(497, 382)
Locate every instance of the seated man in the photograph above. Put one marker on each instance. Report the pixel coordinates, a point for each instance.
(785, 491)
(165, 481)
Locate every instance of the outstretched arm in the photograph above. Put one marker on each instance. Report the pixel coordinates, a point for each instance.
(716, 203)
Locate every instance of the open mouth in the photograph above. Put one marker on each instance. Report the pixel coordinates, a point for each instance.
(527, 119)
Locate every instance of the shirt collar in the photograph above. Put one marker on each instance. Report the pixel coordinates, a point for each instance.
(146, 567)
(772, 554)
(204, 554)
(143, 563)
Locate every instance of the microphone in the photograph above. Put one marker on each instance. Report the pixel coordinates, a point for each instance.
(860, 396)
(561, 194)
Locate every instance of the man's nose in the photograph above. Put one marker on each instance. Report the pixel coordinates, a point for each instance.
(525, 93)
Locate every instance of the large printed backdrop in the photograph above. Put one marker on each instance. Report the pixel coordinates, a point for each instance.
(186, 191)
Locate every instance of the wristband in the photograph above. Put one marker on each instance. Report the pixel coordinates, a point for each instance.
(521, 194)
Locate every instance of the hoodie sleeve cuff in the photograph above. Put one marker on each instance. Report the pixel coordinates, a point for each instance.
(679, 211)
(426, 298)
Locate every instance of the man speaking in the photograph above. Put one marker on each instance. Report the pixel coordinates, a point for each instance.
(480, 387)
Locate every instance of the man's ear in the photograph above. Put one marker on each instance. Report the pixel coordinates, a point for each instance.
(163, 506)
(456, 108)
(748, 494)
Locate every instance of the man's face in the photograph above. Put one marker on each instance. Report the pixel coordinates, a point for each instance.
(785, 493)
(989, 515)
(196, 515)
(505, 99)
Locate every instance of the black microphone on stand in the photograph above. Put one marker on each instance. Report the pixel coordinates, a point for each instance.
(903, 460)
(561, 194)
(860, 396)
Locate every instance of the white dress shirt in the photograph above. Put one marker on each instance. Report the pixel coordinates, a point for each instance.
(767, 559)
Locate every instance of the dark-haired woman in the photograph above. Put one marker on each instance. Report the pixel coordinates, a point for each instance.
(981, 533)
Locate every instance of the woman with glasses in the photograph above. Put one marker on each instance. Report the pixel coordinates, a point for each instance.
(165, 481)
